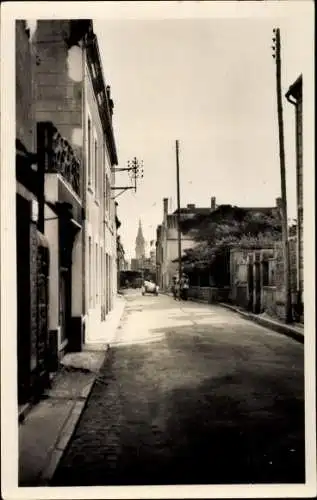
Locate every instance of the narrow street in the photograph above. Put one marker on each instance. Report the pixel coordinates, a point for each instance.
(192, 393)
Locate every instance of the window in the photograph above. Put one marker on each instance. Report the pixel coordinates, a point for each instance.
(90, 272)
(107, 285)
(102, 180)
(107, 193)
(96, 167)
(109, 198)
(93, 71)
(89, 153)
(110, 283)
(96, 275)
(101, 280)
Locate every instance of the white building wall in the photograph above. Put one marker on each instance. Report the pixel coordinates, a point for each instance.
(100, 237)
(170, 253)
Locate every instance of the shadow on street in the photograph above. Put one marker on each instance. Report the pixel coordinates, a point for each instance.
(220, 404)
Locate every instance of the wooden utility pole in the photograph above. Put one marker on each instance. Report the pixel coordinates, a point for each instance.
(287, 277)
(178, 214)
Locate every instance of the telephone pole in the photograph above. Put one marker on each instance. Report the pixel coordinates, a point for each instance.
(178, 214)
(287, 280)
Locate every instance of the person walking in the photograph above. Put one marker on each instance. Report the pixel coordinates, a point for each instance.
(174, 287)
(184, 286)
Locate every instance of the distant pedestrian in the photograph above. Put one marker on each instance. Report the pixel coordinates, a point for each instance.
(184, 286)
(174, 288)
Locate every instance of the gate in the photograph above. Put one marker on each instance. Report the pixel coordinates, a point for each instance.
(32, 305)
(257, 279)
(250, 283)
(26, 362)
(42, 379)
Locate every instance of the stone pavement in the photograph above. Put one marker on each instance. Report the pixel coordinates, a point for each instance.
(47, 428)
(192, 394)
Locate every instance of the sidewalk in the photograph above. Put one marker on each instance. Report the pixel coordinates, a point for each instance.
(50, 424)
(295, 331)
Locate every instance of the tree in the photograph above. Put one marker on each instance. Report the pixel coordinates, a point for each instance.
(230, 224)
(215, 233)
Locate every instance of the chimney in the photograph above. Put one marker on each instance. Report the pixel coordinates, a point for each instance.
(278, 202)
(165, 206)
(213, 203)
(191, 206)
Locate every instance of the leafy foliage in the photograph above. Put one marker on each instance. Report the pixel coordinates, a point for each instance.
(228, 227)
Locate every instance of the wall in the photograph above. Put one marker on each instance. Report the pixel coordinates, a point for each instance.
(51, 233)
(269, 300)
(33, 291)
(59, 76)
(59, 99)
(279, 276)
(25, 231)
(300, 200)
(293, 263)
(169, 245)
(209, 295)
(101, 263)
(25, 88)
(239, 277)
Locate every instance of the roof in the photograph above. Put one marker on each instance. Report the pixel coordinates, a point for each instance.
(296, 88)
(100, 88)
(259, 209)
(224, 208)
(194, 210)
(208, 210)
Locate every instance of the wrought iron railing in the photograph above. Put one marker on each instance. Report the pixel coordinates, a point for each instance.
(58, 155)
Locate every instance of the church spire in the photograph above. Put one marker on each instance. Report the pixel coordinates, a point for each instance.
(140, 243)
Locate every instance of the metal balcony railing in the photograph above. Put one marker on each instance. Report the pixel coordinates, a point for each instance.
(58, 155)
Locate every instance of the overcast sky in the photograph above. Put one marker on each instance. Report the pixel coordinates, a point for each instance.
(210, 83)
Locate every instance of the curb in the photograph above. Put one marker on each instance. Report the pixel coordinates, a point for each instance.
(68, 430)
(286, 330)
(23, 412)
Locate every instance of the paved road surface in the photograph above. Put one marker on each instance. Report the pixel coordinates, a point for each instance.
(192, 394)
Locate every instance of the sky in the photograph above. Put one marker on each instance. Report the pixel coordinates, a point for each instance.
(209, 83)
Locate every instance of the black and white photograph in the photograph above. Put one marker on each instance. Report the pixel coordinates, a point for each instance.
(157, 249)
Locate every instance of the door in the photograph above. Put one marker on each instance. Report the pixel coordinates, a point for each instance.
(23, 213)
(42, 379)
(64, 305)
(250, 284)
(257, 299)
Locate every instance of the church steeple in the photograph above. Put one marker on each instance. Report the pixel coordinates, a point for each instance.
(140, 243)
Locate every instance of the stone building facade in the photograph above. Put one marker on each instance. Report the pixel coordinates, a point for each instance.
(100, 208)
(31, 247)
(59, 122)
(295, 97)
(74, 114)
(167, 240)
